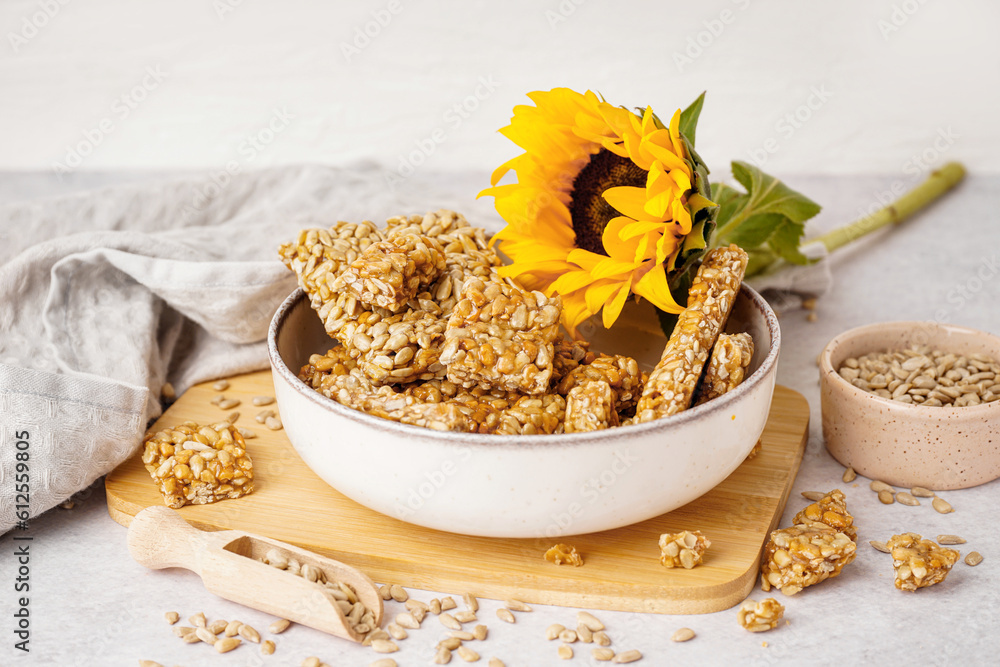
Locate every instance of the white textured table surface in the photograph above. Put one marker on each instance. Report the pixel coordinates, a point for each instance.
(92, 605)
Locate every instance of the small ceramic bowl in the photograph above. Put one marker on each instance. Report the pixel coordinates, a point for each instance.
(524, 486)
(902, 444)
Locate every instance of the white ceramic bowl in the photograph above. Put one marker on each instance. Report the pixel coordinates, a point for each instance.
(525, 486)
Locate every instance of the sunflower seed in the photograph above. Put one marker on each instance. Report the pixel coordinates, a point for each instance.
(413, 604)
(849, 475)
(627, 656)
(149, 663)
(311, 661)
(878, 486)
(448, 603)
(465, 616)
(443, 656)
(396, 591)
(921, 492)
(949, 539)
(384, 592)
(396, 631)
(462, 635)
(233, 416)
(886, 497)
(973, 558)
(602, 654)
(172, 617)
(205, 635)
(568, 636)
(279, 626)
(407, 620)
(906, 498)
(467, 654)
(183, 631)
(683, 635)
(435, 606)
(565, 652)
(384, 646)
(601, 638)
(505, 615)
(198, 620)
(471, 602)
(496, 662)
(584, 634)
(941, 505)
(227, 644)
(879, 546)
(247, 433)
(552, 632)
(516, 605)
(263, 415)
(273, 423)
(449, 621)
(229, 403)
(381, 662)
(220, 385)
(218, 399)
(217, 627)
(267, 648)
(249, 634)
(588, 619)
(450, 643)
(480, 632)
(813, 495)
(262, 400)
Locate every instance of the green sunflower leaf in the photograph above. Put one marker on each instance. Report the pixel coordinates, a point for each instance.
(689, 118)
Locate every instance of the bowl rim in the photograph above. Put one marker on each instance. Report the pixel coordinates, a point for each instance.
(828, 371)
(634, 431)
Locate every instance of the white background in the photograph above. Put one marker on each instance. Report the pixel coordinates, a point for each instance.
(893, 77)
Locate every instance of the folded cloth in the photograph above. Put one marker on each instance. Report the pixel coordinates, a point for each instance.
(106, 295)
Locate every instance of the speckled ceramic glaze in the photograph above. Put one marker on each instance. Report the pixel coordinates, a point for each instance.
(524, 486)
(907, 445)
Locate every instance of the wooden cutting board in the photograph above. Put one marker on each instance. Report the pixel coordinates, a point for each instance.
(621, 571)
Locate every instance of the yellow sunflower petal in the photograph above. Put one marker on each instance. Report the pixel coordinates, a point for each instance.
(654, 288)
(614, 308)
(598, 294)
(628, 200)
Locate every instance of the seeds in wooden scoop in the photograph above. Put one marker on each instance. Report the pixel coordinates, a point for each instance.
(941, 505)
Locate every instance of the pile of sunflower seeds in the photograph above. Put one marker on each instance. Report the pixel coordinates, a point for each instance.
(920, 375)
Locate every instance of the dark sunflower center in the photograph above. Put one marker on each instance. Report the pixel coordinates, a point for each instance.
(589, 211)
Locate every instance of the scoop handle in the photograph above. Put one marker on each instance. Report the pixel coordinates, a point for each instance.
(159, 537)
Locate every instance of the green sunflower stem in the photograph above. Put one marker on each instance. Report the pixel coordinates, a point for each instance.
(937, 184)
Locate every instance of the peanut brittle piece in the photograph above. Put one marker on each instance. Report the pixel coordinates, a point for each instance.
(803, 555)
(390, 273)
(500, 336)
(196, 465)
(621, 372)
(727, 368)
(532, 415)
(672, 383)
(590, 406)
(919, 563)
(569, 354)
(397, 348)
(831, 509)
(685, 549)
(336, 361)
(760, 616)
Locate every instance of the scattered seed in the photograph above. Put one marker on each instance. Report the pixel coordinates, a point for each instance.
(448, 603)
(273, 423)
(263, 400)
(906, 498)
(568, 636)
(247, 433)
(973, 558)
(183, 631)
(449, 621)
(267, 648)
(950, 539)
(396, 631)
(878, 486)
(384, 592)
(480, 632)
(435, 606)
(886, 497)
(383, 662)
(443, 656)
(467, 654)
(413, 604)
(311, 661)
(262, 417)
(248, 633)
(565, 652)
(813, 495)
(384, 646)
(462, 635)
(942, 505)
(552, 632)
(471, 602)
(279, 626)
(921, 492)
(450, 643)
(221, 385)
(218, 399)
(395, 591)
(407, 620)
(377, 633)
(168, 392)
(584, 634)
(812, 317)
(217, 627)
(683, 635)
(601, 638)
(465, 616)
(198, 620)
(205, 635)
(418, 614)
(516, 605)
(602, 654)
(229, 403)
(496, 662)
(233, 416)
(227, 644)
(172, 617)
(879, 546)
(588, 619)
(149, 663)
(627, 656)
(505, 615)
(849, 475)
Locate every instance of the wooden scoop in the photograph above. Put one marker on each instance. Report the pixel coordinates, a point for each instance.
(228, 563)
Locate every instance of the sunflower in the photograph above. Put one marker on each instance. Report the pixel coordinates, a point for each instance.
(607, 203)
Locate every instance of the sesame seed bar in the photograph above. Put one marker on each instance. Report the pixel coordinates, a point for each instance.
(532, 415)
(919, 563)
(568, 355)
(398, 348)
(390, 273)
(621, 372)
(727, 367)
(672, 383)
(336, 361)
(500, 336)
(590, 406)
(197, 465)
(803, 555)
(831, 509)
(685, 549)
(760, 616)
